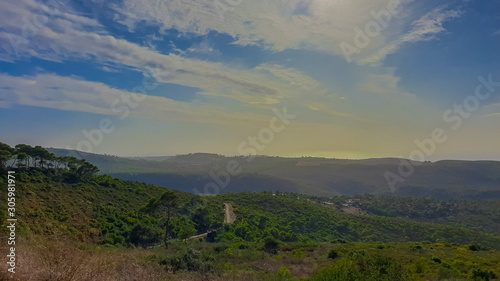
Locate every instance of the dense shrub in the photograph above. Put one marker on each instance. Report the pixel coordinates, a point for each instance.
(271, 246)
(284, 272)
(192, 260)
(332, 254)
(298, 253)
(476, 247)
(358, 266)
(481, 274)
(145, 235)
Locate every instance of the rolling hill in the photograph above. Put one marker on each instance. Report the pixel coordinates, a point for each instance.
(314, 176)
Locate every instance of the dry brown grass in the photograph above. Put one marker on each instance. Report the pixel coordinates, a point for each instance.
(42, 260)
(39, 259)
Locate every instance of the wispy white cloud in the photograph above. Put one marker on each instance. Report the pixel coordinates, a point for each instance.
(278, 25)
(69, 36)
(76, 94)
(266, 84)
(294, 24)
(424, 29)
(492, 110)
(293, 77)
(204, 50)
(385, 84)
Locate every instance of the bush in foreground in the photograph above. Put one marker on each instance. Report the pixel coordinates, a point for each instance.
(358, 266)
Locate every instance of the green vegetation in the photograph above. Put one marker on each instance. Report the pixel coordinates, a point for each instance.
(293, 220)
(85, 221)
(359, 266)
(481, 215)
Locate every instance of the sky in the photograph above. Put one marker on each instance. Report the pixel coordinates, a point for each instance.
(329, 78)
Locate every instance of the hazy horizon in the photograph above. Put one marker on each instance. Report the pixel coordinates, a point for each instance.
(336, 79)
(266, 155)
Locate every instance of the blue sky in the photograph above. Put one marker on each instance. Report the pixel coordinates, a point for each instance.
(204, 76)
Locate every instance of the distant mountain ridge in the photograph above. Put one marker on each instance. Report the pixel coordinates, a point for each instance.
(309, 175)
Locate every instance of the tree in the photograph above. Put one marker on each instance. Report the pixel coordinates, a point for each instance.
(6, 153)
(202, 219)
(40, 154)
(60, 161)
(72, 163)
(51, 160)
(20, 158)
(170, 201)
(4, 146)
(86, 169)
(4, 157)
(28, 150)
(167, 205)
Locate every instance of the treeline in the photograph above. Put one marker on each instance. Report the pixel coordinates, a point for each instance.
(26, 157)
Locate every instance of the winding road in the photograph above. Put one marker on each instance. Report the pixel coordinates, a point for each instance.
(229, 216)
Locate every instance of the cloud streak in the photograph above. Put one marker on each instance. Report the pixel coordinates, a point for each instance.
(76, 94)
(424, 29)
(67, 36)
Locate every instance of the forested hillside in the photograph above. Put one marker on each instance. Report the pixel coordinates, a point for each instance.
(279, 235)
(467, 180)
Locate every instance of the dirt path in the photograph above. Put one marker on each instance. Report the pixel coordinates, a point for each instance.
(203, 235)
(229, 217)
